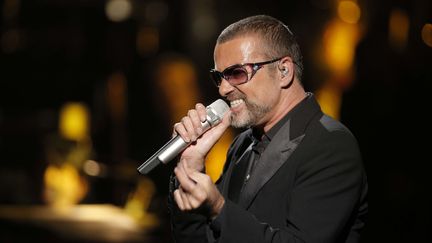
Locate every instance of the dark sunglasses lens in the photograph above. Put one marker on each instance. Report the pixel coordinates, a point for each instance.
(236, 75)
(215, 77)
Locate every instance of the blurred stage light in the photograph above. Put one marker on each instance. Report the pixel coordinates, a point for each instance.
(79, 223)
(139, 201)
(330, 99)
(118, 10)
(92, 168)
(204, 26)
(202, 21)
(427, 34)
(177, 83)
(340, 40)
(216, 158)
(74, 121)
(117, 95)
(349, 12)
(398, 29)
(64, 186)
(147, 41)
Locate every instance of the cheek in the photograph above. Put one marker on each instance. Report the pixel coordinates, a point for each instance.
(266, 94)
(263, 89)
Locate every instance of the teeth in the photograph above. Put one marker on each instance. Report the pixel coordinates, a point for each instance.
(236, 102)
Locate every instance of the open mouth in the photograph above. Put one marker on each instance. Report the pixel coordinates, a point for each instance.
(236, 103)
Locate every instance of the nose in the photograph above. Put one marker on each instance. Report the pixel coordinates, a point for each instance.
(225, 88)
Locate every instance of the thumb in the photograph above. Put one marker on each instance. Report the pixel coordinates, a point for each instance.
(216, 132)
(224, 124)
(227, 118)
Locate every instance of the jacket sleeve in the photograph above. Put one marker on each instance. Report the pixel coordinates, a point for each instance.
(327, 194)
(186, 227)
(190, 227)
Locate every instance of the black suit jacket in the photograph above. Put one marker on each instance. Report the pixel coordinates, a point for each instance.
(309, 185)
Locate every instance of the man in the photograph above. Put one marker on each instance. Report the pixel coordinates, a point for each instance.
(295, 175)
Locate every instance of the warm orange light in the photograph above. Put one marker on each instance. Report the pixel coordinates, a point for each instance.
(330, 98)
(340, 40)
(427, 34)
(74, 121)
(147, 41)
(139, 201)
(177, 81)
(217, 156)
(116, 92)
(398, 29)
(64, 186)
(349, 12)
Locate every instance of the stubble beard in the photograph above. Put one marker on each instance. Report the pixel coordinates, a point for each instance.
(251, 116)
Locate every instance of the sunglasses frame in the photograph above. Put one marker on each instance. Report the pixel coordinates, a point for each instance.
(217, 76)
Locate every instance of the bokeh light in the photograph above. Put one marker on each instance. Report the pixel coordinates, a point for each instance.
(118, 10)
(398, 29)
(427, 34)
(340, 40)
(349, 12)
(74, 121)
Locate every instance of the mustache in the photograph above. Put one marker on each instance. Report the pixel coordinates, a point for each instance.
(236, 96)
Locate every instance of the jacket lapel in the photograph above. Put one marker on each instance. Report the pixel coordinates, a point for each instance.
(275, 155)
(244, 142)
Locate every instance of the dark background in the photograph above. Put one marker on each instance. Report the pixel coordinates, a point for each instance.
(66, 50)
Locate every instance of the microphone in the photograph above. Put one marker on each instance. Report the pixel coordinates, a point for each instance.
(215, 113)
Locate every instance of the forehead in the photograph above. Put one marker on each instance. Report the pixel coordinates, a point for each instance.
(242, 49)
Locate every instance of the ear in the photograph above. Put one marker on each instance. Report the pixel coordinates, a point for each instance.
(286, 71)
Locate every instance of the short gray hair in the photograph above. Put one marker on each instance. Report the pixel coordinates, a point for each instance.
(278, 39)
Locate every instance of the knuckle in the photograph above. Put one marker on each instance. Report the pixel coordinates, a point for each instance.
(195, 204)
(195, 191)
(199, 193)
(178, 127)
(201, 196)
(207, 178)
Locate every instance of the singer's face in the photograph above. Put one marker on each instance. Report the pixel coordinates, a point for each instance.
(252, 103)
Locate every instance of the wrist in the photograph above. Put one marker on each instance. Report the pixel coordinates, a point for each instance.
(217, 208)
(194, 163)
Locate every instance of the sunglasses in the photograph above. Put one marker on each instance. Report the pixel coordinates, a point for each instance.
(239, 73)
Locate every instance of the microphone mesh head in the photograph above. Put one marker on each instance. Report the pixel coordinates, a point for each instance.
(219, 107)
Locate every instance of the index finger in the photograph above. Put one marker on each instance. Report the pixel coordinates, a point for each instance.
(202, 112)
(186, 183)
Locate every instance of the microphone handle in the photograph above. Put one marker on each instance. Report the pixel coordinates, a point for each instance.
(169, 151)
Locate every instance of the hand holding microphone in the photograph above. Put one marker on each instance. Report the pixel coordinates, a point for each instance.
(203, 125)
(190, 129)
(196, 189)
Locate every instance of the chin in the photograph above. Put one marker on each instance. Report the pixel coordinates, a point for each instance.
(240, 122)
